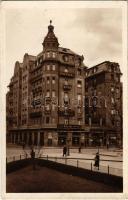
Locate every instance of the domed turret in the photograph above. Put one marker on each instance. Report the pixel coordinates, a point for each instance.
(50, 41)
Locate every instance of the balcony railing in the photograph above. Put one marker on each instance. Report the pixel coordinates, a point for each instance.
(47, 98)
(68, 113)
(79, 115)
(35, 114)
(66, 126)
(67, 74)
(67, 87)
(47, 112)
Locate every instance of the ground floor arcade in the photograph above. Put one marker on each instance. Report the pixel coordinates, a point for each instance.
(59, 137)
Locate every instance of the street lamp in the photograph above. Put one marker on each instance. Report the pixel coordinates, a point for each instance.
(67, 114)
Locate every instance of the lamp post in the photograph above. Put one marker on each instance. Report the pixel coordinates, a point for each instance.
(68, 139)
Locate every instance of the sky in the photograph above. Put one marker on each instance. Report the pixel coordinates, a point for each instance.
(95, 33)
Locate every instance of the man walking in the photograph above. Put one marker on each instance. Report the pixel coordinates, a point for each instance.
(64, 151)
(97, 160)
(33, 159)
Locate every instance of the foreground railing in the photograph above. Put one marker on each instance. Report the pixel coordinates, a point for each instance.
(85, 163)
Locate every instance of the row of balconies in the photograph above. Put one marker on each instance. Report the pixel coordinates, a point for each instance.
(69, 113)
(67, 74)
(67, 87)
(36, 77)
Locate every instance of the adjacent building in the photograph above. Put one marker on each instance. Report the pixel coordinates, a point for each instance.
(55, 100)
(103, 104)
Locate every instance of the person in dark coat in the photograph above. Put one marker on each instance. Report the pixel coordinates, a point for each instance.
(80, 149)
(64, 151)
(23, 144)
(33, 159)
(97, 160)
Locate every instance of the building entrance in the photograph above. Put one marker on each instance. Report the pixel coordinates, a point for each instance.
(62, 138)
(75, 139)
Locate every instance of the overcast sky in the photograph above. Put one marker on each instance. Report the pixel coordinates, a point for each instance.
(95, 33)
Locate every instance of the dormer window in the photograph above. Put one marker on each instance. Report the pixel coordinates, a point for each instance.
(65, 58)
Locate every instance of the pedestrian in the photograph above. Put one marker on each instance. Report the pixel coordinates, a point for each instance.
(80, 149)
(64, 151)
(107, 144)
(97, 160)
(23, 145)
(33, 159)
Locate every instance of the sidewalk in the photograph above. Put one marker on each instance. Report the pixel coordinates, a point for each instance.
(108, 155)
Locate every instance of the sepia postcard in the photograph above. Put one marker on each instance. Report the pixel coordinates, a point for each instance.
(63, 100)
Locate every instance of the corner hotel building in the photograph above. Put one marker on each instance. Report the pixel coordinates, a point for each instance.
(54, 99)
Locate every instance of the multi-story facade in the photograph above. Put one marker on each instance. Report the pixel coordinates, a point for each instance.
(50, 95)
(103, 104)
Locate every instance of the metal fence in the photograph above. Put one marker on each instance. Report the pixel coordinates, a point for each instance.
(87, 164)
(76, 162)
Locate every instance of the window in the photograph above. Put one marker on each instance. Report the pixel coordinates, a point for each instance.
(117, 90)
(53, 93)
(66, 97)
(66, 82)
(48, 80)
(53, 120)
(95, 70)
(48, 67)
(79, 98)
(112, 112)
(79, 110)
(53, 80)
(53, 67)
(47, 120)
(79, 71)
(66, 70)
(79, 122)
(47, 107)
(112, 88)
(53, 107)
(54, 54)
(48, 54)
(112, 100)
(79, 84)
(48, 93)
(65, 58)
(112, 77)
(66, 121)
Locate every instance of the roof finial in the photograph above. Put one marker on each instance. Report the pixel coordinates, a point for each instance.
(50, 22)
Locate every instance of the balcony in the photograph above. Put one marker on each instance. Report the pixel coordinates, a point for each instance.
(68, 113)
(65, 126)
(35, 114)
(47, 99)
(35, 78)
(38, 89)
(47, 112)
(79, 115)
(67, 74)
(67, 87)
